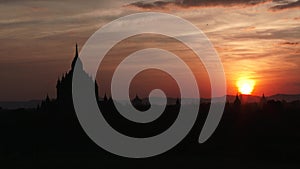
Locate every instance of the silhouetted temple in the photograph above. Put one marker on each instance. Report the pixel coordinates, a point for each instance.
(263, 99)
(137, 101)
(237, 100)
(64, 86)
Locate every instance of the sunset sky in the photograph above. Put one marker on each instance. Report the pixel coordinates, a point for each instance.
(256, 39)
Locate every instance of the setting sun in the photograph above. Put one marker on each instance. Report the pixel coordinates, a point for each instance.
(245, 86)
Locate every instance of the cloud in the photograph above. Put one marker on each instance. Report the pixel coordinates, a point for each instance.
(289, 43)
(249, 28)
(196, 3)
(151, 5)
(160, 4)
(286, 5)
(220, 2)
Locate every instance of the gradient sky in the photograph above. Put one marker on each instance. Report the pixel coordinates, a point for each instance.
(258, 39)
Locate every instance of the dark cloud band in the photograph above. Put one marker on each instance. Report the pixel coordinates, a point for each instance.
(196, 3)
(280, 4)
(284, 6)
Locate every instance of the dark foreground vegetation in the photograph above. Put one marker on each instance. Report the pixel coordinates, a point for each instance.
(252, 135)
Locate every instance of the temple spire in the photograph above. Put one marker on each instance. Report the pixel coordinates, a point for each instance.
(76, 54)
(237, 100)
(75, 58)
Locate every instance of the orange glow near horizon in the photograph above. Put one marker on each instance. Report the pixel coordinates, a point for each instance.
(245, 86)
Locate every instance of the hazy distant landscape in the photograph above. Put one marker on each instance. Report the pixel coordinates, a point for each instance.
(230, 99)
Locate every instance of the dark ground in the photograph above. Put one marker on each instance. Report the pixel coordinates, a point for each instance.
(249, 136)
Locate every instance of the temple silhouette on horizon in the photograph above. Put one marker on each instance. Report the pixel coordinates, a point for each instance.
(64, 98)
(64, 87)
